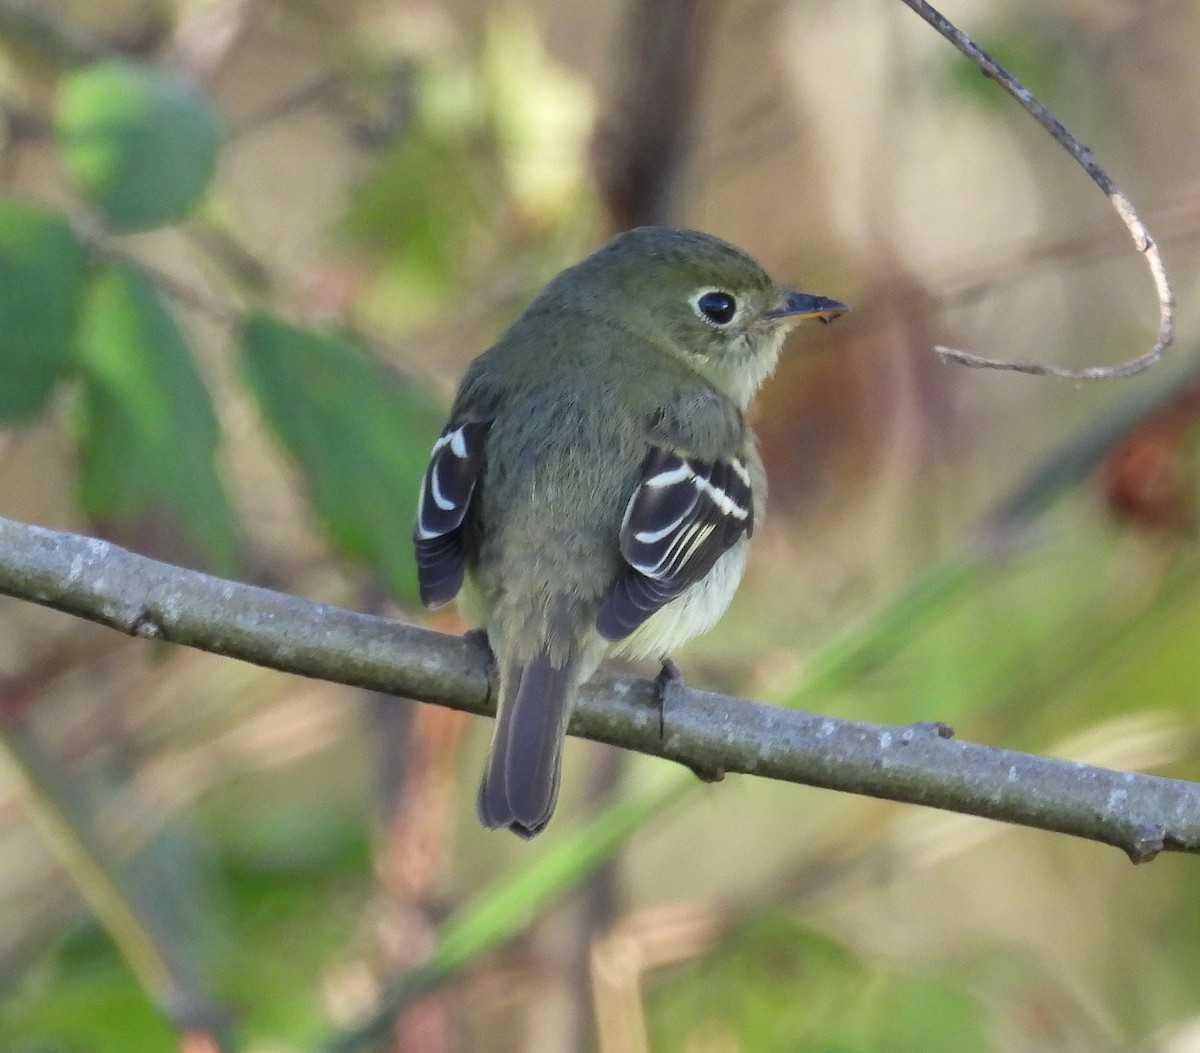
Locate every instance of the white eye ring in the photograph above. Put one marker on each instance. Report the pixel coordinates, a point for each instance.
(716, 307)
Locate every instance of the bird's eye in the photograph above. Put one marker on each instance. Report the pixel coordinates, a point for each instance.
(716, 306)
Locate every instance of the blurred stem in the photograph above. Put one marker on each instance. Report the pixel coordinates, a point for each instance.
(497, 915)
(66, 825)
(643, 141)
(51, 35)
(888, 631)
(250, 276)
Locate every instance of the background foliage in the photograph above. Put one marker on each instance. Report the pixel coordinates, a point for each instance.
(245, 248)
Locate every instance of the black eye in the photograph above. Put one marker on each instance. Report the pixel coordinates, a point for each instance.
(718, 307)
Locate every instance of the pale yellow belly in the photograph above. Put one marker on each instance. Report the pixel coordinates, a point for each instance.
(696, 611)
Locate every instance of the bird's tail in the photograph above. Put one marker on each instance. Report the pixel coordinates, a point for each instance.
(520, 783)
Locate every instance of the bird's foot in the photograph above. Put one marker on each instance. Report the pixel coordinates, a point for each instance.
(669, 689)
(668, 686)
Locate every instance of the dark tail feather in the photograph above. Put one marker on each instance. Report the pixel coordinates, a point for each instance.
(520, 783)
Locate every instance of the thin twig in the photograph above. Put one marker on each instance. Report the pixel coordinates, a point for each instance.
(309, 92)
(1142, 240)
(1142, 814)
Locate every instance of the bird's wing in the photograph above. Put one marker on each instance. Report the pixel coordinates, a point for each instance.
(684, 515)
(446, 492)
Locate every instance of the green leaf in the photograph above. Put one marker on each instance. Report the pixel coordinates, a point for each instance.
(148, 430)
(141, 145)
(744, 991)
(84, 998)
(42, 270)
(362, 438)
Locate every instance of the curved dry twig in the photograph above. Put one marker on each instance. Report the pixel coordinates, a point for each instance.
(1142, 240)
(710, 733)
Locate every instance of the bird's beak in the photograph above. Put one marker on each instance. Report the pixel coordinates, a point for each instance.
(798, 305)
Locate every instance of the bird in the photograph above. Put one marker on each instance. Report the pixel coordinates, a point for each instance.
(597, 483)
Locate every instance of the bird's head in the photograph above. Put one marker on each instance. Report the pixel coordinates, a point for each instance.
(704, 301)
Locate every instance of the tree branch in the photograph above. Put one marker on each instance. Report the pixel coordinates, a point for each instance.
(710, 733)
(1142, 240)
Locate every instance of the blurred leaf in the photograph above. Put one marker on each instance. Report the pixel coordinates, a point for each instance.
(775, 985)
(362, 438)
(413, 214)
(417, 212)
(141, 145)
(848, 658)
(771, 983)
(928, 1014)
(419, 202)
(308, 906)
(1122, 654)
(282, 998)
(148, 431)
(42, 270)
(83, 998)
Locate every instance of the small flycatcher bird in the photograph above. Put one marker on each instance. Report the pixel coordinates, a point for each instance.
(598, 482)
